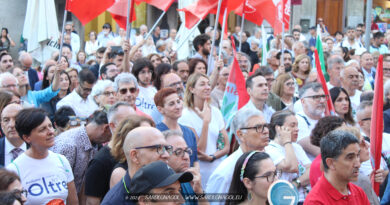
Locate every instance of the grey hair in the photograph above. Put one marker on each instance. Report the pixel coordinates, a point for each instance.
(362, 106)
(248, 59)
(269, 54)
(335, 60)
(314, 86)
(100, 86)
(241, 118)
(170, 133)
(257, 41)
(114, 108)
(23, 55)
(7, 75)
(352, 61)
(125, 78)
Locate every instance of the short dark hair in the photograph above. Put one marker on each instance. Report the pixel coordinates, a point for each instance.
(162, 69)
(278, 119)
(313, 85)
(378, 35)
(323, 127)
(339, 32)
(140, 64)
(98, 117)
(67, 45)
(176, 64)
(61, 116)
(367, 96)
(296, 30)
(4, 54)
(360, 25)
(193, 62)
(280, 54)
(6, 178)
(264, 71)
(86, 75)
(101, 50)
(28, 119)
(200, 40)
(333, 144)
(103, 69)
(249, 80)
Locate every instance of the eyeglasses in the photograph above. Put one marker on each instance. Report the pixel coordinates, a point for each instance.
(23, 192)
(85, 89)
(11, 86)
(124, 90)
(161, 149)
(318, 97)
(20, 102)
(259, 128)
(291, 84)
(181, 152)
(68, 30)
(366, 119)
(270, 175)
(105, 27)
(270, 79)
(173, 85)
(353, 76)
(108, 93)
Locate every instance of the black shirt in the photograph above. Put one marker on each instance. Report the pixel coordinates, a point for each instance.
(97, 177)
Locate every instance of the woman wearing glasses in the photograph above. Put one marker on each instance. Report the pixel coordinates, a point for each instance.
(10, 182)
(207, 123)
(301, 69)
(46, 175)
(103, 93)
(342, 104)
(288, 156)
(253, 174)
(284, 87)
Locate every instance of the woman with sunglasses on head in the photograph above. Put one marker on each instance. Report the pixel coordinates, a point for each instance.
(207, 123)
(253, 174)
(46, 175)
(342, 104)
(288, 156)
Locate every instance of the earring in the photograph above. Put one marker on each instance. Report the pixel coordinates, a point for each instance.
(249, 196)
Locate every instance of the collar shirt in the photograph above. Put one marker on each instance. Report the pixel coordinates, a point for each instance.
(8, 151)
(76, 146)
(267, 110)
(82, 108)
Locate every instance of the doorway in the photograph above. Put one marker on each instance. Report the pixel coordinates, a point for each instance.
(332, 13)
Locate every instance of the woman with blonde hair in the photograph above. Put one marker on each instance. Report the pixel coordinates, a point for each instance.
(284, 87)
(117, 141)
(301, 69)
(207, 123)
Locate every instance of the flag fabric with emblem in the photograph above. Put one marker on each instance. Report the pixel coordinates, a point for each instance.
(118, 12)
(86, 10)
(235, 95)
(321, 63)
(320, 78)
(376, 131)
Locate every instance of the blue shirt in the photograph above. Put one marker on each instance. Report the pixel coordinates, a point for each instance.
(187, 190)
(118, 193)
(189, 137)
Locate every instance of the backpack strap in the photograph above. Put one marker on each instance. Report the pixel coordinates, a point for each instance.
(17, 168)
(62, 162)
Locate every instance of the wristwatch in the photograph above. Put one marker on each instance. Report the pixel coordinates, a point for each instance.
(298, 182)
(214, 158)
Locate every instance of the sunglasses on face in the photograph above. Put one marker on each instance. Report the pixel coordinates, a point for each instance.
(123, 91)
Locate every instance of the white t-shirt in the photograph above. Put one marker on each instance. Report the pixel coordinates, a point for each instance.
(191, 119)
(278, 153)
(145, 100)
(44, 179)
(355, 101)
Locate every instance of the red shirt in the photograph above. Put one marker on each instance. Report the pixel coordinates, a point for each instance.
(315, 170)
(325, 193)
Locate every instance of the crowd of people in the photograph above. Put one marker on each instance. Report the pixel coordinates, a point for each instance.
(118, 118)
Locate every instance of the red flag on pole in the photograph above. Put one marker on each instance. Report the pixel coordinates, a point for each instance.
(251, 10)
(87, 10)
(376, 132)
(283, 16)
(160, 4)
(320, 78)
(119, 12)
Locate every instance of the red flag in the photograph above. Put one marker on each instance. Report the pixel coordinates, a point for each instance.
(243, 96)
(320, 78)
(253, 10)
(119, 12)
(160, 4)
(86, 10)
(201, 8)
(283, 16)
(376, 132)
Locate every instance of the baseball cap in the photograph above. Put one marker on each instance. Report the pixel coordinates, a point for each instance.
(155, 175)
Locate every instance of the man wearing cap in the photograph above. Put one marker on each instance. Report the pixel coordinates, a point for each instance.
(142, 146)
(157, 178)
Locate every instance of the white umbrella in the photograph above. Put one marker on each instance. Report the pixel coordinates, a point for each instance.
(41, 29)
(185, 50)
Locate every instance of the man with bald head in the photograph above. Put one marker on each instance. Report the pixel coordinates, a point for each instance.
(349, 78)
(11, 146)
(26, 61)
(142, 146)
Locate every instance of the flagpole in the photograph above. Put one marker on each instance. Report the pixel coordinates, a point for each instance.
(368, 25)
(214, 35)
(155, 25)
(62, 30)
(189, 34)
(222, 33)
(282, 56)
(130, 4)
(242, 30)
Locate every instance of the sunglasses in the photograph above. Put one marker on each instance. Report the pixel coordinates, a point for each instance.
(124, 90)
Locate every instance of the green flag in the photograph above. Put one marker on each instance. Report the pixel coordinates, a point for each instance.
(321, 53)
